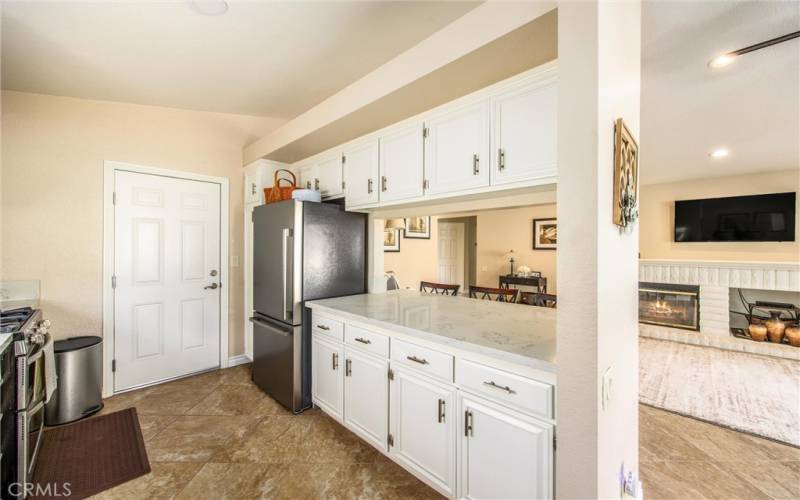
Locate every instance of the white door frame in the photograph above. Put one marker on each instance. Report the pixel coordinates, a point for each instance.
(109, 170)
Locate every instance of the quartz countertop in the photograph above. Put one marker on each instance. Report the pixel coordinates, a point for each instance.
(5, 340)
(515, 333)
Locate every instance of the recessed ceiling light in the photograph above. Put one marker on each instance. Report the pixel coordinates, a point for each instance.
(209, 7)
(721, 61)
(719, 153)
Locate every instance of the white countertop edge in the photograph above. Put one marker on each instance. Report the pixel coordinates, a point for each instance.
(5, 340)
(531, 367)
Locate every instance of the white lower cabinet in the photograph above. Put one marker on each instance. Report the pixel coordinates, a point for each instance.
(503, 454)
(327, 384)
(422, 426)
(366, 397)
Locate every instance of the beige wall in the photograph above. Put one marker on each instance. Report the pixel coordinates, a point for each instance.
(498, 231)
(657, 215)
(502, 230)
(416, 260)
(52, 190)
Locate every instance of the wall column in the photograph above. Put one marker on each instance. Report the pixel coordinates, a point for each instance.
(599, 51)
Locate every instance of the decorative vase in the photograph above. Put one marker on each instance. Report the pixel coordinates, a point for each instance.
(793, 335)
(758, 332)
(775, 328)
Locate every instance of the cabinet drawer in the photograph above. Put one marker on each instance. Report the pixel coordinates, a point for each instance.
(427, 360)
(518, 392)
(327, 327)
(370, 341)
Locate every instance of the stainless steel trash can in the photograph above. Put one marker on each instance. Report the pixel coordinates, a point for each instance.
(79, 393)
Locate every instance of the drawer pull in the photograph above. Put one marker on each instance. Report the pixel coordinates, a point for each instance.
(363, 341)
(335, 361)
(348, 367)
(415, 359)
(324, 327)
(506, 388)
(441, 410)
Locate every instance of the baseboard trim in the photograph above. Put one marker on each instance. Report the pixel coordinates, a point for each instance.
(238, 360)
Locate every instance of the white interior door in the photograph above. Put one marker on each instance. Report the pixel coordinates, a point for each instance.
(167, 269)
(450, 263)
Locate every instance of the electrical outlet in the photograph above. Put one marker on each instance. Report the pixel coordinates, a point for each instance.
(608, 386)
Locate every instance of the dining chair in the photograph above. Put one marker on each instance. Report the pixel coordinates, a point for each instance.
(538, 299)
(489, 293)
(438, 288)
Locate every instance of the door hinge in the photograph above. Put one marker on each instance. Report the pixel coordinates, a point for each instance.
(113, 282)
(113, 365)
(554, 441)
(391, 440)
(424, 132)
(344, 160)
(114, 198)
(391, 374)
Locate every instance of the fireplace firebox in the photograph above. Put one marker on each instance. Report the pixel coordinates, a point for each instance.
(675, 306)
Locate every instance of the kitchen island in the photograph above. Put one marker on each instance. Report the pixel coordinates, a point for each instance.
(458, 391)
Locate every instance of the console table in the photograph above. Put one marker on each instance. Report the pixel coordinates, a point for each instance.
(538, 282)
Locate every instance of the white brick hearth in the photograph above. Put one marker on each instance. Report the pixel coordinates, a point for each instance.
(715, 278)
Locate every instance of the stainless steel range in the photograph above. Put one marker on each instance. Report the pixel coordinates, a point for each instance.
(30, 332)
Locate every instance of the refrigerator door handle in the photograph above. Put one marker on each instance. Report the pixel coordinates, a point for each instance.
(261, 322)
(287, 309)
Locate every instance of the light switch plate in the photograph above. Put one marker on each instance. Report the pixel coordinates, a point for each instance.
(608, 385)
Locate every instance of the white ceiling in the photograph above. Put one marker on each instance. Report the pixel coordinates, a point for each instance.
(751, 107)
(261, 58)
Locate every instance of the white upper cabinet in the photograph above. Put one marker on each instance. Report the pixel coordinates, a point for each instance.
(305, 176)
(504, 454)
(328, 176)
(524, 133)
(361, 174)
(401, 163)
(457, 149)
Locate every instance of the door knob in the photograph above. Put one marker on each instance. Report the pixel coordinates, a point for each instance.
(212, 286)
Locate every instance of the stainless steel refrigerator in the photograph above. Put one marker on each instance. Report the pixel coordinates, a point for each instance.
(301, 251)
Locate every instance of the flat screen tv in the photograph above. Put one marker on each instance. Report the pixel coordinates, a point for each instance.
(763, 217)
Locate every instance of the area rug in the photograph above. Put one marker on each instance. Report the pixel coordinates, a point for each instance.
(81, 459)
(746, 392)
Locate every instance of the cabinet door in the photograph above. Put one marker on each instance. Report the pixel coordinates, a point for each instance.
(366, 397)
(457, 149)
(328, 176)
(305, 176)
(524, 133)
(361, 174)
(326, 376)
(503, 454)
(422, 423)
(401, 163)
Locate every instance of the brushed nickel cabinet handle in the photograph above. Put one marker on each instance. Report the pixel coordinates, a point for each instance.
(324, 327)
(415, 359)
(363, 341)
(468, 423)
(441, 411)
(369, 186)
(308, 184)
(335, 361)
(501, 159)
(383, 183)
(348, 367)
(252, 188)
(316, 184)
(476, 164)
(493, 384)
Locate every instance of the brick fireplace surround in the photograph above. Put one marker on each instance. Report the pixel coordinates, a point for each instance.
(715, 278)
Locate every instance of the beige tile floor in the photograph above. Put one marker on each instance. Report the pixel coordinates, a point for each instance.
(216, 435)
